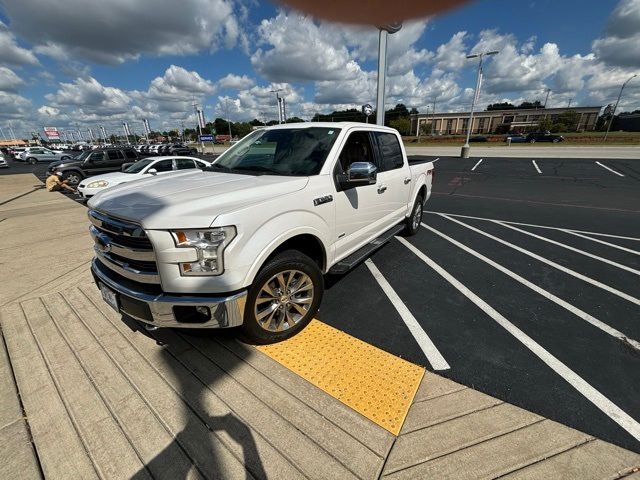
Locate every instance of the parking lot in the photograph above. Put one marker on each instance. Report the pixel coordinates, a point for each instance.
(522, 284)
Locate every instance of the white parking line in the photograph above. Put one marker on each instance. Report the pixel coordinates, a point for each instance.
(612, 245)
(549, 262)
(548, 295)
(536, 165)
(536, 226)
(573, 249)
(594, 396)
(436, 360)
(610, 169)
(476, 165)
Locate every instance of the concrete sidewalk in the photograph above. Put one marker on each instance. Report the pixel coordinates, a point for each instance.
(95, 397)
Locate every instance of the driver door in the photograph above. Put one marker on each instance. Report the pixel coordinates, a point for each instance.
(359, 210)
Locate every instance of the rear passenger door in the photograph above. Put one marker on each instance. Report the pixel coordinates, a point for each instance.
(184, 164)
(163, 166)
(393, 175)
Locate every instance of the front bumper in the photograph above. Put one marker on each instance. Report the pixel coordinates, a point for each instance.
(166, 310)
(87, 192)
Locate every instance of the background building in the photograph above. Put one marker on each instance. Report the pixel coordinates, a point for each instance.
(501, 121)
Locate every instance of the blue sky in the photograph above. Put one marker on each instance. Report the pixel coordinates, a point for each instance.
(80, 63)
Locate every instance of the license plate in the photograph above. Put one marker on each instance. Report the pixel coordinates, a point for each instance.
(110, 297)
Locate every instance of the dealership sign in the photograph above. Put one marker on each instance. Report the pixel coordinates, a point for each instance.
(207, 138)
(52, 133)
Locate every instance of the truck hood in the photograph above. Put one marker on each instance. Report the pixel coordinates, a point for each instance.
(191, 199)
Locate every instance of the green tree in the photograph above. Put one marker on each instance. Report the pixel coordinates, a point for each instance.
(426, 128)
(569, 119)
(535, 104)
(501, 106)
(403, 125)
(545, 124)
(295, 120)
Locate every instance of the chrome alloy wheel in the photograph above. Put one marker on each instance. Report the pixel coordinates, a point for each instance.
(417, 216)
(284, 300)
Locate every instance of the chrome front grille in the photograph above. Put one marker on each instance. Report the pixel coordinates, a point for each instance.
(123, 247)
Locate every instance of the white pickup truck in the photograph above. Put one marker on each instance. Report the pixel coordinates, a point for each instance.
(246, 241)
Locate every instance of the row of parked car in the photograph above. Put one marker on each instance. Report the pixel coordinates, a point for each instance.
(165, 149)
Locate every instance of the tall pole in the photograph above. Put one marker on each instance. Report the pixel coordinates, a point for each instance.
(547, 97)
(385, 31)
(3, 135)
(569, 104)
(464, 153)
(226, 105)
(195, 106)
(616, 106)
(278, 103)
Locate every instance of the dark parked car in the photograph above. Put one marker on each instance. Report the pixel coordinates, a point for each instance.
(178, 149)
(93, 162)
(544, 137)
(516, 138)
(478, 138)
(164, 149)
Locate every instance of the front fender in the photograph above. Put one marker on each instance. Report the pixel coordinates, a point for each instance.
(277, 230)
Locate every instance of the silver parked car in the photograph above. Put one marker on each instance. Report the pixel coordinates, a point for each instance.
(40, 154)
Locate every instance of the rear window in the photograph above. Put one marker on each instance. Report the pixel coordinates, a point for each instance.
(390, 151)
(130, 154)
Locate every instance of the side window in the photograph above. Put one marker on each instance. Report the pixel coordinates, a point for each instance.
(200, 164)
(97, 157)
(130, 154)
(357, 149)
(390, 151)
(163, 166)
(113, 154)
(184, 163)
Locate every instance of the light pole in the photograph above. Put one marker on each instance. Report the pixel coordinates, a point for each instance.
(278, 103)
(464, 153)
(385, 30)
(546, 98)
(616, 105)
(226, 105)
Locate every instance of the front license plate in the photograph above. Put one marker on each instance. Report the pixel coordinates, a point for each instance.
(110, 297)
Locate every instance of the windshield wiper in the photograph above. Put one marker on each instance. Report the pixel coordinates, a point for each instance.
(215, 166)
(259, 168)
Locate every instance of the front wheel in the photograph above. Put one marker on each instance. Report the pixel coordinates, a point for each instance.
(412, 222)
(533, 140)
(283, 299)
(556, 140)
(72, 177)
(32, 161)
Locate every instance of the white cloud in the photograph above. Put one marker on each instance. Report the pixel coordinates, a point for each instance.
(236, 81)
(89, 95)
(452, 55)
(621, 44)
(10, 52)
(120, 30)
(14, 106)
(9, 81)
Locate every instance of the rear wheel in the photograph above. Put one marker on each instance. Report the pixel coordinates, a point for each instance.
(32, 160)
(556, 140)
(283, 299)
(533, 140)
(412, 222)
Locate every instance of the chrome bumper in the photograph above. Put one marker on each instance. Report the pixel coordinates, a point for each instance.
(225, 311)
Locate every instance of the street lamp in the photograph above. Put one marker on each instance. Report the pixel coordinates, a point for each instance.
(385, 31)
(464, 153)
(278, 103)
(616, 106)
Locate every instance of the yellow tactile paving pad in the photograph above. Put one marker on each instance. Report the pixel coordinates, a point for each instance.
(373, 382)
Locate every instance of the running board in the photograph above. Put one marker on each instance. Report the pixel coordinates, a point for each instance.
(347, 263)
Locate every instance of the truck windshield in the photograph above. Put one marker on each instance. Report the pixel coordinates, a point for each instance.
(283, 151)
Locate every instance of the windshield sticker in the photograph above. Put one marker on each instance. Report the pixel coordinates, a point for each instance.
(330, 132)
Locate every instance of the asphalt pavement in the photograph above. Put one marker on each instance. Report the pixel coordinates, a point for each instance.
(541, 310)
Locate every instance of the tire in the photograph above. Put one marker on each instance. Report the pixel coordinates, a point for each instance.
(65, 158)
(533, 140)
(267, 315)
(73, 177)
(31, 161)
(556, 140)
(412, 222)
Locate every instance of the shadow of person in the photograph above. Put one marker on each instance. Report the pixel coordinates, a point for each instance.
(198, 451)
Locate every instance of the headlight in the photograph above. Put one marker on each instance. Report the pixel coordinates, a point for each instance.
(98, 184)
(209, 245)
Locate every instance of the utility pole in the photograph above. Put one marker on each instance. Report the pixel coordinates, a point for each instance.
(199, 121)
(385, 31)
(464, 153)
(616, 106)
(226, 106)
(3, 135)
(569, 104)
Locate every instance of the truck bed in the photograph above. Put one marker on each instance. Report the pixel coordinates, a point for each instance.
(418, 159)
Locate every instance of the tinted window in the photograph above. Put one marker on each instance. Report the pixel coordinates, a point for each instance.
(184, 163)
(163, 166)
(130, 154)
(113, 155)
(97, 156)
(390, 151)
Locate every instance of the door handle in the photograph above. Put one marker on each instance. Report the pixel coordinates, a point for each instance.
(382, 188)
(407, 180)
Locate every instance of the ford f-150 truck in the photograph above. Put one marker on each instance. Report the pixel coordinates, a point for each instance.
(246, 241)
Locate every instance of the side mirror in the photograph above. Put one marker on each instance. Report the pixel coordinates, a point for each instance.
(359, 174)
(152, 171)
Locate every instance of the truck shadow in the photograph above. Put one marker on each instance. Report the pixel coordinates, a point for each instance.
(209, 444)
